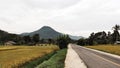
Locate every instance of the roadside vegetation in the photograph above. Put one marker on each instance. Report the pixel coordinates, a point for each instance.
(63, 41)
(56, 61)
(102, 38)
(36, 62)
(107, 42)
(114, 49)
(15, 56)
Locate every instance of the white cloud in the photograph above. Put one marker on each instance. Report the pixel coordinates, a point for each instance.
(50, 4)
(78, 17)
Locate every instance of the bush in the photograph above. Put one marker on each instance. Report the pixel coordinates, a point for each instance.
(63, 41)
(81, 42)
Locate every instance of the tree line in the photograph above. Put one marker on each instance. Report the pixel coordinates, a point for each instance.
(62, 41)
(102, 37)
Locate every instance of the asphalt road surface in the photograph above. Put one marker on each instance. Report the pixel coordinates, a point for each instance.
(93, 59)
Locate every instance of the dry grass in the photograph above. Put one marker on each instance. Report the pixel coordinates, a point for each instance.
(13, 56)
(114, 49)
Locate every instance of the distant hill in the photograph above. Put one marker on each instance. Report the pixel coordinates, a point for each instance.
(3, 33)
(5, 36)
(45, 32)
(48, 32)
(75, 37)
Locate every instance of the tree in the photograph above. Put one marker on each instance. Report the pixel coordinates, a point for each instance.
(42, 40)
(35, 38)
(98, 38)
(91, 39)
(27, 39)
(81, 42)
(115, 35)
(109, 38)
(51, 41)
(63, 41)
(116, 27)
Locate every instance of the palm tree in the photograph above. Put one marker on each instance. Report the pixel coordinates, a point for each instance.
(116, 27)
(116, 34)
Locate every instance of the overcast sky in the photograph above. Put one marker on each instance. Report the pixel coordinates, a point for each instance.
(75, 17)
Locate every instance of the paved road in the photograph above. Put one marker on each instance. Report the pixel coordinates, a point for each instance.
(95, 59)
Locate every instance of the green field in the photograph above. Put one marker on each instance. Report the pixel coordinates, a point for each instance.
(114, 49)
(14, 56)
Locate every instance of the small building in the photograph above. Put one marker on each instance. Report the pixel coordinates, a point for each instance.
(117, 42)
(10, 43)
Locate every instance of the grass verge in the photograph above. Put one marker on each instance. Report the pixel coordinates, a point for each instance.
(56, 61)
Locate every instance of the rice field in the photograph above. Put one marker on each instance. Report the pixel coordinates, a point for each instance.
(14, 56)
(114, 49)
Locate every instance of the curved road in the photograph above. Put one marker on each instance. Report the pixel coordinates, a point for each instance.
(94, 59)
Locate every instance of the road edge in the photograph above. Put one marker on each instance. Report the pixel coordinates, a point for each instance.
(102, 52)
(73, 60)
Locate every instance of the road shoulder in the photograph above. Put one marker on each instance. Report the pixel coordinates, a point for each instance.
(102, 52)
(73, 60)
